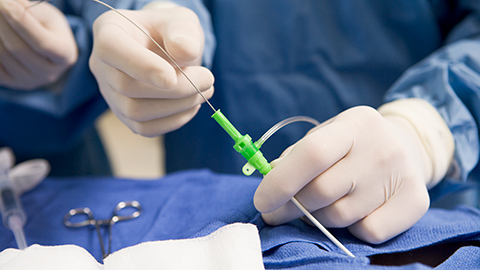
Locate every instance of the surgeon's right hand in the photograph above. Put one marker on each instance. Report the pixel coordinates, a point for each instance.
(141, 86)
(36, 44)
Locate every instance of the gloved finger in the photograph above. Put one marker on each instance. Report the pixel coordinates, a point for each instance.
(160, 126)
(322, 125)
(184, 40)
(146, 109)
(345, 211)
(310, 157)
(347, 191)
(328, 187)
(7, 158)
(283, 214)
(130, 56)
(14, 75)
(126, 85)
(23, 68)
(328, 192)
(274, 162)
(44, 29)
(18, 49)
(175, 28)
(12, 69)
(27, 175)
(397, 215)
(328, 196)
(6, 78)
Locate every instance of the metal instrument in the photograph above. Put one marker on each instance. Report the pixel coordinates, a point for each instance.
(97, 223)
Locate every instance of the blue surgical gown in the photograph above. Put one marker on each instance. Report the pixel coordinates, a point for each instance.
(277, 59)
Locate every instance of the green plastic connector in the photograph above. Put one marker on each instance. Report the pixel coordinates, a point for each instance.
(244, 146)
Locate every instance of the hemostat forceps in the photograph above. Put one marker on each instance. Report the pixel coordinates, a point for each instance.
(97, 223)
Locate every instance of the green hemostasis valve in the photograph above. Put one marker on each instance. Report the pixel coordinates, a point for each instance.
(256, 160)
(243, 143)
(245, 146)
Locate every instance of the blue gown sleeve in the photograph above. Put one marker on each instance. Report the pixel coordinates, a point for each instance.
(449, 79)
(61, 97)
(51, 118)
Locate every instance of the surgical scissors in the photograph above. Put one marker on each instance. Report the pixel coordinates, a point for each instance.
(97, 223)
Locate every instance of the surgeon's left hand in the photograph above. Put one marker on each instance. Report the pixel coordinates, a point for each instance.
(359, 170)
(37, 45)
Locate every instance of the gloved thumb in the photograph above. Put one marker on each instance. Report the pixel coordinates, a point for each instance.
(184, 42)
(182, 34)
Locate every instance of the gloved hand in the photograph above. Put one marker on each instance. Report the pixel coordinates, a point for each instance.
(362, 170)
(139, 84)
(36, 44)
(26, 175)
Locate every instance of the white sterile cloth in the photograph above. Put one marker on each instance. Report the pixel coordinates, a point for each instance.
(235, 246)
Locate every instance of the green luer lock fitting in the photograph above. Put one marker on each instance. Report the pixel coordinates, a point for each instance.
(244, 146)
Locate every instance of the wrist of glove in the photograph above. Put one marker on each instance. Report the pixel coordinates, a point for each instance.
(431, 131)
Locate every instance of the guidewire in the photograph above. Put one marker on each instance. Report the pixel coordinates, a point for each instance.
(243, 143)
(161, 48)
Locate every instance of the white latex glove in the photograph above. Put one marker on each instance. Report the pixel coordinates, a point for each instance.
(36, 44)
(362, 170)
(143, 89)
(26, 175)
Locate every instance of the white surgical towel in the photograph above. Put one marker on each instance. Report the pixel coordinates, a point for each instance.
(38, 257)
(235, 246)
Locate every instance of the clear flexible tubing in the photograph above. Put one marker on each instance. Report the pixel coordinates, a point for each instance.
(282, 124)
